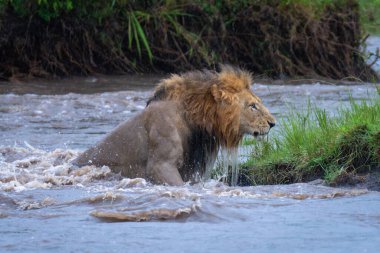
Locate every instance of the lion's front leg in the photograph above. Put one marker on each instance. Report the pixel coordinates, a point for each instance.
(165, 155)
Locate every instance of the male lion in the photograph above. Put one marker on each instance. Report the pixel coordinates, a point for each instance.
(186, 121)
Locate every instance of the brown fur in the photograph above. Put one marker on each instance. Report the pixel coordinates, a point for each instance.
(179, 133)
(201, 93)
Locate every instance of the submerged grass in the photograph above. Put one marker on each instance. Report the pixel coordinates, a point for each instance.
(313, 145)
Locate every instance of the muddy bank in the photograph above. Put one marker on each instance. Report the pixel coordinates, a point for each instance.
(369, 180)
(270, 38)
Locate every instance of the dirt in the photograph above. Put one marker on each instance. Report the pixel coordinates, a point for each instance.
(271, 39)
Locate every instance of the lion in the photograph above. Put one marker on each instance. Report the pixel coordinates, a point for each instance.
(176, 138)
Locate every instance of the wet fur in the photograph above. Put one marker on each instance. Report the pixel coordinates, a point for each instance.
(188, 118)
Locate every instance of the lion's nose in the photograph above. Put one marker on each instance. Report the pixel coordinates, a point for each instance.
(271, 124)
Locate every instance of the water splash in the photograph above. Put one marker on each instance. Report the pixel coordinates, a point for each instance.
(31, 168)
(227, 168)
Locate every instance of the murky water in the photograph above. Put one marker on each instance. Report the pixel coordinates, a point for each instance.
(47, 206)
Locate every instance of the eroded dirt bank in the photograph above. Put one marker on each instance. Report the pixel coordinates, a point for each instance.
(270, 38)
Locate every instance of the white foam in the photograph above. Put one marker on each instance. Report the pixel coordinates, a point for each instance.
(134, 182)
(26, 169)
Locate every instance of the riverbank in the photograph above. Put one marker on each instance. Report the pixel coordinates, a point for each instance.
(343, 149)
(277, 39)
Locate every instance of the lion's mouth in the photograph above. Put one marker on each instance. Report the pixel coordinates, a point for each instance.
(256, 133)
(259, 135)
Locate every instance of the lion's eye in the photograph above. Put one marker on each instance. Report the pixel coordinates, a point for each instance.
(253, 106)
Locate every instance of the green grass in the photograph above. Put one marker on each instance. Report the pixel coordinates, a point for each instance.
(369, 11)
(100, 10)
(272, 38)
(313, 145)
(370, 16)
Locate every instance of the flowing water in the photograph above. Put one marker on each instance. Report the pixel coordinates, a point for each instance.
(47, 206)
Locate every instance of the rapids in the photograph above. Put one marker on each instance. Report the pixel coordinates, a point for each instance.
(46, 205)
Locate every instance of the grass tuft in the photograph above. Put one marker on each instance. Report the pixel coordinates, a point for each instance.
(314, 144)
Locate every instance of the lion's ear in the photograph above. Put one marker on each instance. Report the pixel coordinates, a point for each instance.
(222, 95)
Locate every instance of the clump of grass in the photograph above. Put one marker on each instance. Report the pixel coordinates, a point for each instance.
(369, 15)
(314, 144)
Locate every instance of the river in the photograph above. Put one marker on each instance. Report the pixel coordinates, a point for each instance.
(45, 206)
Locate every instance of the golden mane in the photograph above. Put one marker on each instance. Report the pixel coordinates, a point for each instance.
(200, 93)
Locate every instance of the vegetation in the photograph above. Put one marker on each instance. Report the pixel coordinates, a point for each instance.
(313, 145)
(369, 15)
(41, 38)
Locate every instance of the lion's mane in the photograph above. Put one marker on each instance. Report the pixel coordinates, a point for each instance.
(197, 91)
(213, 125)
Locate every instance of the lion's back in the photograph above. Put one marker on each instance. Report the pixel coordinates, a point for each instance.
(126, 148)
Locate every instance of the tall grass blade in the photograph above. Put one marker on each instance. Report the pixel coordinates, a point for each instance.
(137, 35)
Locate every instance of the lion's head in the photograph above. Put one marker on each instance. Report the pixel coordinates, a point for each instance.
(221, 103)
